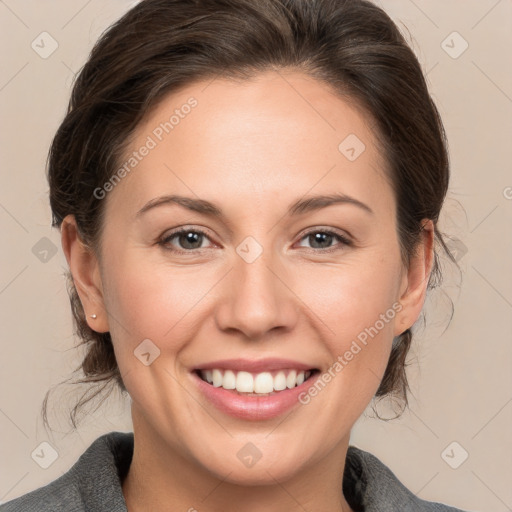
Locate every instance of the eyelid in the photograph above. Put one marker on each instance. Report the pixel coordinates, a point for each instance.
(163, 240)
(345, 239)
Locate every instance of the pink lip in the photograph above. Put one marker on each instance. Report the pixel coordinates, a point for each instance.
(255, 366)
(252, 408)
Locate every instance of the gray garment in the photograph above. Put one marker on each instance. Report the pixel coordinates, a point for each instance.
(93, 484)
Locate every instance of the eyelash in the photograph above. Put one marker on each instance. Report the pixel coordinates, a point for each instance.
(164, 242)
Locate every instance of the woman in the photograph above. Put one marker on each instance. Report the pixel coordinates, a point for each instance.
(248, 195)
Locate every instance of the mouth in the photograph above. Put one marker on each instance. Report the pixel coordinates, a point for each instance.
(252, 384)
(254, 389)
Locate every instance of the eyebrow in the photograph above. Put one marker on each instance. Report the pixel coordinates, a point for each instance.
(301, 206)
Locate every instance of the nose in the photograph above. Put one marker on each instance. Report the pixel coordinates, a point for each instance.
(257, 299)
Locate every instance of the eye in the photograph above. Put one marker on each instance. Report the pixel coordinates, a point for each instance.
(192, 240)
(188, 238)
(321, 240)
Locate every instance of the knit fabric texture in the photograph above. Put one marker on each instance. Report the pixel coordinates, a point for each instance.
(93, 484)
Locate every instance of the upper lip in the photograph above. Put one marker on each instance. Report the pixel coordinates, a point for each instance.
(255, 365)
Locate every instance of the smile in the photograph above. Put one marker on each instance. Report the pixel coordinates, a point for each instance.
(253, 390)
(258, 384)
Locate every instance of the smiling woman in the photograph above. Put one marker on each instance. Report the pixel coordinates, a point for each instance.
(252, 280)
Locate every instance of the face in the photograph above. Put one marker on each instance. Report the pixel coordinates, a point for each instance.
(254, 284)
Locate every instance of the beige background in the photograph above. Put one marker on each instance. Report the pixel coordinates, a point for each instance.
(461, 377)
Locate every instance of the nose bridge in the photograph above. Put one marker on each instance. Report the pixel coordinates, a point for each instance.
(258, 300)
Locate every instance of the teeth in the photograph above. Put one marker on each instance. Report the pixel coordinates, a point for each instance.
(291, 380)
(244, 382)
(229, 380)
(217, 378)
(261, 383)
(280, 381)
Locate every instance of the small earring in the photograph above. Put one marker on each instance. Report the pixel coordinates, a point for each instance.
(94, 316)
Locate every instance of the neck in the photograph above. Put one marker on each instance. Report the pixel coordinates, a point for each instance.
(160, 477)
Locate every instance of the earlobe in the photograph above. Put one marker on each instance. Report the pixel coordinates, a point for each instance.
(413, 287)
(84, 267)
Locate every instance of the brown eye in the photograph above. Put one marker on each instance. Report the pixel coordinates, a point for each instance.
(187, 240)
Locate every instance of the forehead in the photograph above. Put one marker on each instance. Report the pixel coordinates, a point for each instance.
(254, 140)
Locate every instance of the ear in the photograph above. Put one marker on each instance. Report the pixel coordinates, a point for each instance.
(413, 287)
(84, 267)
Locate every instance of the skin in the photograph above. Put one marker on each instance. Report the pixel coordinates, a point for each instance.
(253, 149)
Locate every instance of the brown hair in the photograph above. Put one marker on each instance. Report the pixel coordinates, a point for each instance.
(160, 45)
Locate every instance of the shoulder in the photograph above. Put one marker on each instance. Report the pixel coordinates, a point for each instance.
(370, 482)
(93, 483)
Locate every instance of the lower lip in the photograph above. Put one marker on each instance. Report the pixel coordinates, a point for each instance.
(253, 407)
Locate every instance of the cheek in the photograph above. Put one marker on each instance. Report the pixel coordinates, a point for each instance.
(344, 303)
(151, 294)
(161, 304)
(353, 305)
(357, 306)
(148, 300)
(351, 297)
